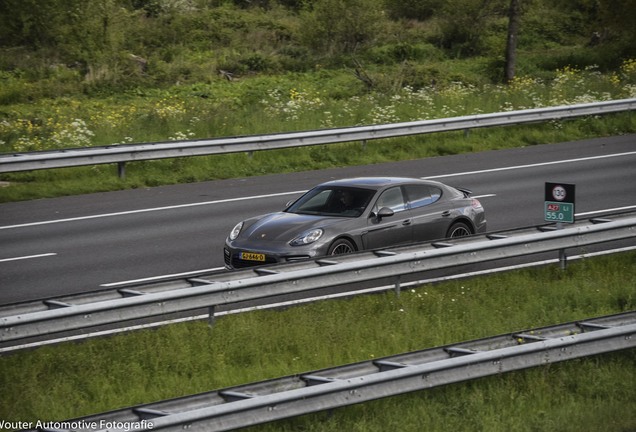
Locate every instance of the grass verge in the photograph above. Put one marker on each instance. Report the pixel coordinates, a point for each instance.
(101, 178)
(595, 394)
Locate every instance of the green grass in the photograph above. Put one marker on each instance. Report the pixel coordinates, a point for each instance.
(596, 394)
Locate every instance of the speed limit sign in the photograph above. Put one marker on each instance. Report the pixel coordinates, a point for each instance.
(559, 193)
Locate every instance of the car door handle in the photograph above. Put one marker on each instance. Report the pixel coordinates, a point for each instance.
(446, 213)
(406, 222)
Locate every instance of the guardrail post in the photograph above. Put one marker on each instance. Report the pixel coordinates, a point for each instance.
(121, 170)
(398, 286)
(563, 258)
(211, 312)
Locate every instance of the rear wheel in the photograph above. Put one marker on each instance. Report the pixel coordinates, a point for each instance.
(459, 229)
(341, 246)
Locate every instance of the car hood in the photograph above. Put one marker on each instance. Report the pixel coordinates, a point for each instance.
(284, 227)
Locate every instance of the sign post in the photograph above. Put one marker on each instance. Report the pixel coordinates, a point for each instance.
(559, 208)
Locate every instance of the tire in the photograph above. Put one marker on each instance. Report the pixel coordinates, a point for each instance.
(459, 229)
(341, 247)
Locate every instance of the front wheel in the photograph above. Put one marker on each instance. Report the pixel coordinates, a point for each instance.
(459, 229)
(341, 246)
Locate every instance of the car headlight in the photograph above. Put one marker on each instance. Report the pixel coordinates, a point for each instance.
(236, 231)
(307, 237)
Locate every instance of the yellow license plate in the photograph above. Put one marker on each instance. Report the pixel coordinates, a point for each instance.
(250, 256)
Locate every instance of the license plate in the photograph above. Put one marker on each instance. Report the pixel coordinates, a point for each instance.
(250, 256)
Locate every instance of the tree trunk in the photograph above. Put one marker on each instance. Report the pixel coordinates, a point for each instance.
(511, 43)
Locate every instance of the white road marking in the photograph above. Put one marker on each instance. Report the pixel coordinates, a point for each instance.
(154, 278)
(28, 257)
(531, 165)
(149, 210)
(299, 192)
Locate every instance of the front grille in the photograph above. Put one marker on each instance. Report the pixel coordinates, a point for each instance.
(238, 263)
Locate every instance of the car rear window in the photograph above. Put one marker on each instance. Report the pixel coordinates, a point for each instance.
(422, 195)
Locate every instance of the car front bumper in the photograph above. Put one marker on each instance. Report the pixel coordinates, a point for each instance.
(237, 258)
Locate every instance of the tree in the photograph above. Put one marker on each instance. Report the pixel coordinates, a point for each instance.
(511, 43)
(619, 21)
(30, 23)
(413, 9)
(341, 26)
(463, 23)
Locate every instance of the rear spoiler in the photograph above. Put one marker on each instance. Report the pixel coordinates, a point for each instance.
(467, 192)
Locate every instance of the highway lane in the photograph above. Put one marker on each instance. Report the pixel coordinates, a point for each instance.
(76, 244)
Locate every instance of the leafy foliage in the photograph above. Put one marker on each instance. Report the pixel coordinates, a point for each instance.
(110, 45)
(338, 27)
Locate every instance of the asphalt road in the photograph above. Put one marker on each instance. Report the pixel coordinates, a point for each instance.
(83, 243)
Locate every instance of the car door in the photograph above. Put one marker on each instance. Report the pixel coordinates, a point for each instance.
(430, 216)
(391, 230)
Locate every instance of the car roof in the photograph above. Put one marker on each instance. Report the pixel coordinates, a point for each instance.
(376, 182)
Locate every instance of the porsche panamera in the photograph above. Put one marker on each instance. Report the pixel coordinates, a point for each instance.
(349, 215)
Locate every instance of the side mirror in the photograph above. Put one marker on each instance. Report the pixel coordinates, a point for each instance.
(384, 212)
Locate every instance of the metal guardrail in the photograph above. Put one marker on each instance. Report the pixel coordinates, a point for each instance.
(266, 401)
(137, 152)
(265, 282)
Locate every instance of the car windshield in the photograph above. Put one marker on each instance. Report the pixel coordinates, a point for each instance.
(333, 201)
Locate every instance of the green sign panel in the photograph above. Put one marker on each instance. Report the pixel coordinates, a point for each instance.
(559, 212)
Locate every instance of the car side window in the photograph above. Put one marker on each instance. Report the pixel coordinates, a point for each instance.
(422, 195)
(391, 198)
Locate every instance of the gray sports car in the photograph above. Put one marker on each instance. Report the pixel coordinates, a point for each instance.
(349, 215)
